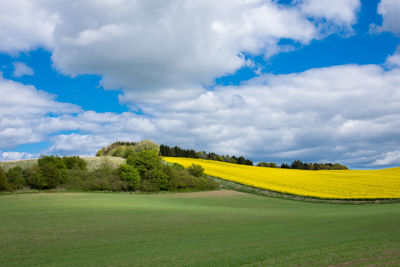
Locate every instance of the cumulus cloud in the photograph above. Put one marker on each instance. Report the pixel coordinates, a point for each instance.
(25, 25)
(389, 10)
(344, 113)
(7, 156)
(393, 61)
(340, 12)
(168, 46)
(328, 113)
(388, 158)
(22, 109)
(142, 46)
(21, 69)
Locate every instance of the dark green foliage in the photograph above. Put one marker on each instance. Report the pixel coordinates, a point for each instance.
(105, 178)
(118, 152)
(298, 164)
(267, 164)
(52, 171)
(75, 162)
(196, 170)
(180, 179)
(144, 170)
(145, 161)
(51, 175)
(16, 178)
(130, 175)
(34, 179)
(4, 185)
(285, 166)
(176, 151)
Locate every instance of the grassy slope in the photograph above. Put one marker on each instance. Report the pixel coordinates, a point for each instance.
(199, 229)
(326, 184)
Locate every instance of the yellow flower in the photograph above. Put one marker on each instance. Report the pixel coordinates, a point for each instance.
(338, 184)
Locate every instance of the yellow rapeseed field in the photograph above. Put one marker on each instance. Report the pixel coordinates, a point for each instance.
(343, 184)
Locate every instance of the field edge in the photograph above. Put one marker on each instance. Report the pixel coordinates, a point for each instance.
(225, 184)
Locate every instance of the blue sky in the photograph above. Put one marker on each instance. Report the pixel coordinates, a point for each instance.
(271, 80)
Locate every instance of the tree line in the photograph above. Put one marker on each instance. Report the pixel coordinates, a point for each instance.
(143, 171)
(177, 151)
(124, 149)
(298, 164)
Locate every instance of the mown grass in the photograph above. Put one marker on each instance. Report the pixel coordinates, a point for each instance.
(218, 228)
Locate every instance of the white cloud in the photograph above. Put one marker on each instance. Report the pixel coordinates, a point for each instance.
(142, 46)
(21, 69)
(389, 10)
(341, 12)
(6, 156)
(393, 61)
(25, 25)
(344, 113)
(22, 109)
(388, 158)
(150, 48)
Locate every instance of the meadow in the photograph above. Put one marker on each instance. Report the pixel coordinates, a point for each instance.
(324, 184)
(215, 228)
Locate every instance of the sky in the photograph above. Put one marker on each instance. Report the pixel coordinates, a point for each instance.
(276, 81)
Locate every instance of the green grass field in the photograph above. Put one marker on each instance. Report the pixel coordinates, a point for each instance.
(217, 228)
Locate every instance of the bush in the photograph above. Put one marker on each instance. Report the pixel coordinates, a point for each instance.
(33, 178)
(145, 161)
(52, 171)
(75, 162)
(181, 180)
(4, 185)
(148, 186)
(147, 145)
(157, 177)
(16, 178)
(266, 164)
(130, 175)
(196, 170)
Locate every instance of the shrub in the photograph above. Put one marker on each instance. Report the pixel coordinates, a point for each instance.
(119, 152)
(145, 161)
(196, 170)
(33, 178)
(266, 164)
(148, 186)
(147, 145)
(158, 177)
(130, 175)
(4, 185)
(16, 178)
(52, 171)
(51, 174)
(75, 162)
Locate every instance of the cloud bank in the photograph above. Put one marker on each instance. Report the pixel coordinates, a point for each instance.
(164, 54)
(344, 113)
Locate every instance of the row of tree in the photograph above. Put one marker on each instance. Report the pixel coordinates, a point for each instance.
(124, 149)
(177, 151)
(143, 171)
(298, 164)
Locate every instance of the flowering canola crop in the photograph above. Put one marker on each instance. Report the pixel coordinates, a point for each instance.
(333, 184)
